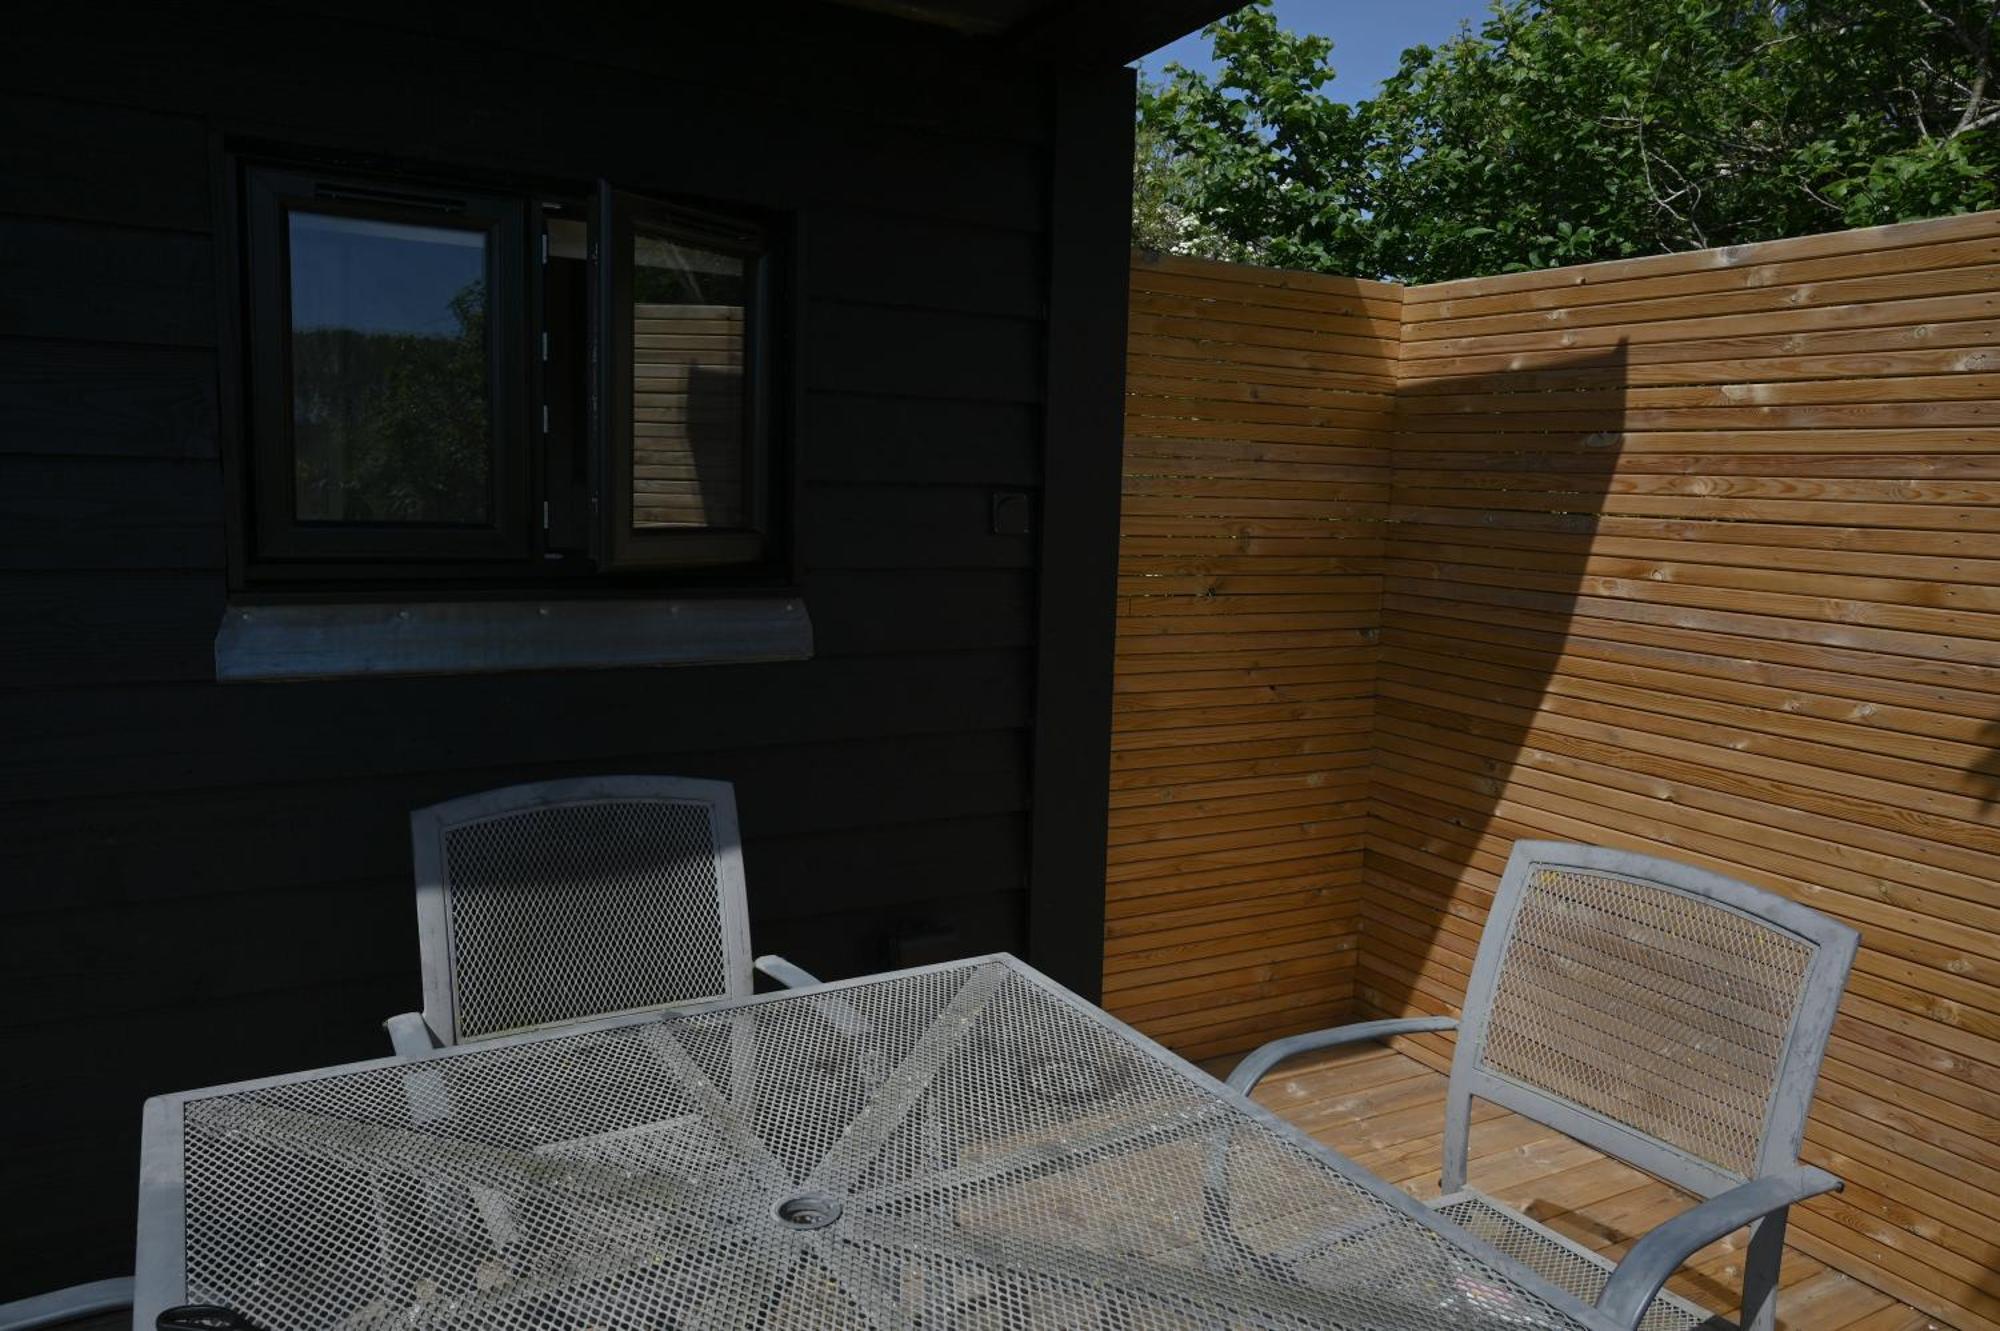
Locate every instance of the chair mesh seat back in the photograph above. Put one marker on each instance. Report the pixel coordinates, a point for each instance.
(1659, 1010)
(577, 909)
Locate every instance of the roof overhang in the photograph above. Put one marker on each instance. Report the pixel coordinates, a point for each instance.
(1077, 33)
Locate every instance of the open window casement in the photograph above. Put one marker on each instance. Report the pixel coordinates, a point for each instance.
(679, 408)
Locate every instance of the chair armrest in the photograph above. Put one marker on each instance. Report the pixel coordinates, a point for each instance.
(1262, 1059)
(1660, 1253)
(411, 1035)
(66, 1305)
(841, 1014)
(785, 973)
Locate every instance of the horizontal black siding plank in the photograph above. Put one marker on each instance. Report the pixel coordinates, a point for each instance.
(67, 629)
(880, 782)
(70, 159)
(426, 97)
(858, 614)
(86, 964)
(95, 513)
(88, 742)
(862, 439)
(61, 967)
(125, 515)
(863, 942)
(61, 630)
(77, 399)
(107, 283)
(945, 87)
(178, 1045)
(883, 259)
(871, 868)
(164, 845)
(922, 353)
(857, 527)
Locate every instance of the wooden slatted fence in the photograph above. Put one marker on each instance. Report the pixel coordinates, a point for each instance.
(1699, 555)
(687, 431)
(1256, 487)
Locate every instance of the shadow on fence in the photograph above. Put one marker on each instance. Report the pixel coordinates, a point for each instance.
(1984, 774)
(1499, 481)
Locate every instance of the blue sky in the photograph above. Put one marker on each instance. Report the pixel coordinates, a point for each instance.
(1368, 37)
(380, 277)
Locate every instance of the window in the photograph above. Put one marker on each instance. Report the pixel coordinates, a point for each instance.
(684, 347)
(490, 387)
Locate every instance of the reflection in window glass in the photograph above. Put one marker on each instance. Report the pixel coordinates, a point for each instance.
(687, 366)
(390, 415)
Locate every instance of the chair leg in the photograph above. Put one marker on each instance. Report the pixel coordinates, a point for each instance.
(1457, 1141)
(1760, 1273)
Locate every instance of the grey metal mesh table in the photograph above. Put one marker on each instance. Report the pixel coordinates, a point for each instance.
(963, 1146)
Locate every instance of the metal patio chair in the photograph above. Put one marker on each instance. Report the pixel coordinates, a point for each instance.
(63, 1306)
(1664, 1015)
(558, 901)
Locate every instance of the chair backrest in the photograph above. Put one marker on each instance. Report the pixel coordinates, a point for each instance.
(1663, 1014)
(562, 900)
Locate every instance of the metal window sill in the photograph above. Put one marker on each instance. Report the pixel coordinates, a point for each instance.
(338, 641)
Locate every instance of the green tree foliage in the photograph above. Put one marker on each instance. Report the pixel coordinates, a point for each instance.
(1565, 131)
(393, 427)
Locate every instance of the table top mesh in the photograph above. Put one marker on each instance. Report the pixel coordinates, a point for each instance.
(963, 1147)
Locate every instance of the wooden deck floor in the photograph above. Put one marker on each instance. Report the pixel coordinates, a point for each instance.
(1386, 1111)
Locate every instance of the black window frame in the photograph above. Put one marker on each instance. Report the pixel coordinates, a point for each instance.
(277, 534)
(272, 556)
(619, 218)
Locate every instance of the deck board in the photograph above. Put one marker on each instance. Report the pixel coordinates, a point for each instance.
(1385, 1111)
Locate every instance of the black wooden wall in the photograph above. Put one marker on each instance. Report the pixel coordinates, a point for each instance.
(201, 882)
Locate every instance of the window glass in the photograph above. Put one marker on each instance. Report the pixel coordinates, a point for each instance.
(688, 418)
(391, 410)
